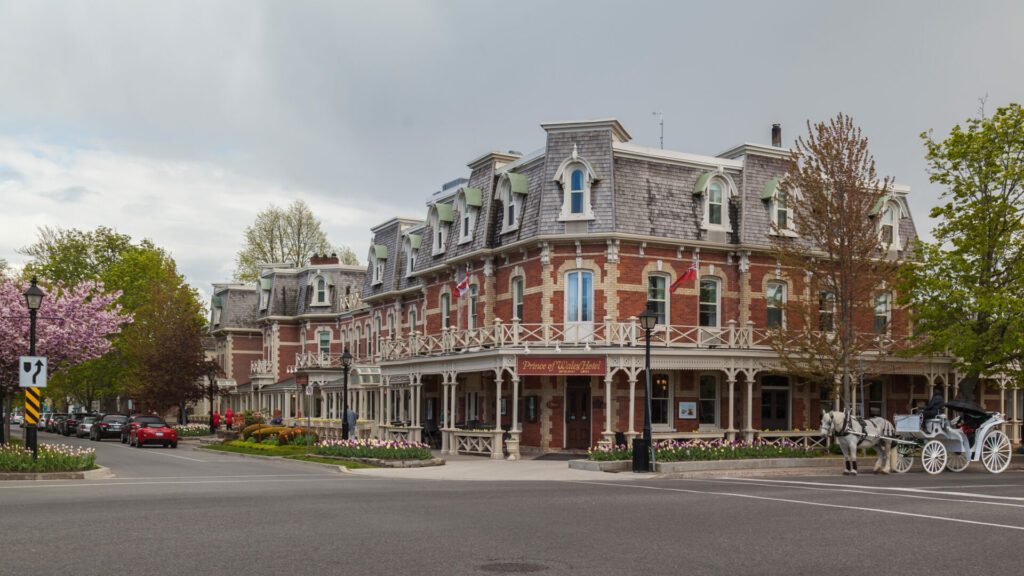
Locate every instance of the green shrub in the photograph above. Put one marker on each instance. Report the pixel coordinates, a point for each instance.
(297, 435)
(271, 441)
(252, 418)
(261, 434)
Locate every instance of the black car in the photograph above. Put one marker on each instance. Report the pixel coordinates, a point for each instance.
(69, 425)
(136, 421)
(108, 426)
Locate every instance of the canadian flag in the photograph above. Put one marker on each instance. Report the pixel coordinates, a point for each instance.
(464, 285)
(690, 274)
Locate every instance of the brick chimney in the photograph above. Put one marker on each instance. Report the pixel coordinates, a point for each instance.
(318, 259)
(777, 135)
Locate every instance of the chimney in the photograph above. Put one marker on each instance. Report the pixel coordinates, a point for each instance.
(777, 135)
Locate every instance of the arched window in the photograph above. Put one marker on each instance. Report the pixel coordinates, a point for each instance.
(343, 336)
(715, 203)
(710, 302)
(579, 296)
(445, 305)
(518, 289)
(324, 344)
(576, 177)
(657, 296)
(468, 202)
(775, 300)
(319, 291)
(369, 340)
(412, 318)
(376, 335)
(576, 192)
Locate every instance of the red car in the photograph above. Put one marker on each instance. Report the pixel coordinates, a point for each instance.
(152, 431)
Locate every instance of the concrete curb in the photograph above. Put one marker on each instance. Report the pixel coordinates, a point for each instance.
(99, 472)
(714, 465)
(601, 466)
(337, 467)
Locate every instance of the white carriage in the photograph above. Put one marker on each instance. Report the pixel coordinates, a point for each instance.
(951, 444)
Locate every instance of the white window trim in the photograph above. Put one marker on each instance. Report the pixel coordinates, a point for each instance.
(506, 197)
(833, 311)
(895, 208)
(315, 300)
(443, 310)
(473, 306)
(888, 313)
(522, 294)
(319, 335)
(728, 190)
(668, 295)
(465, 211)
(410, 259)
(790, 230)
(718, 300)
(670, 426)
(579, 285)
(412, 317)
(563, 176)
(439, 231)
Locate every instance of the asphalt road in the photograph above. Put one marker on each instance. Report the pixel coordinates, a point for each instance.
(191, 512)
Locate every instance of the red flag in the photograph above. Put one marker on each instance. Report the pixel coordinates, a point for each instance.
(464, 285)
(690, 274)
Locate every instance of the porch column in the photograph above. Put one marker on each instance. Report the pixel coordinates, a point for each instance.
(608, 437)
(748, 433)
(730, 432)
(444, 421)
(515, 403)
(497, 402)
(453, 444)
(632, 406)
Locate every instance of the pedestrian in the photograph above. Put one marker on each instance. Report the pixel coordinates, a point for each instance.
(227, 418)
(216, 420)
(350, 420)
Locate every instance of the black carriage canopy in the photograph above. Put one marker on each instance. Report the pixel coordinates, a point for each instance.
(968, 408)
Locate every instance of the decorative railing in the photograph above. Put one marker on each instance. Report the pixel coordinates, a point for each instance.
(809, 438)
(261, 367)
(322, 361)
(607, 334)
(478, 442)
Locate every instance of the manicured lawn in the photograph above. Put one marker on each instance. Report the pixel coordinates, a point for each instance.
(239, 447)
(346, 463)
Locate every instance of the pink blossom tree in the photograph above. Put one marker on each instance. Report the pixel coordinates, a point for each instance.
(73, 325)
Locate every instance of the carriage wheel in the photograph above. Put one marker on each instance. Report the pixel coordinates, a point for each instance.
(957, 462)
(904, 458)
(933, 457)
(995, 452)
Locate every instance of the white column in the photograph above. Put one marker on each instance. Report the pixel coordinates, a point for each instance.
(632, 404)
(608, 405)
(730, 432)
(497, 402)
(515, 403)
(749, 432)
(444, 405)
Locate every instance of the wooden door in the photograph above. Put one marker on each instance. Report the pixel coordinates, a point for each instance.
(577, 413)
(774, 409)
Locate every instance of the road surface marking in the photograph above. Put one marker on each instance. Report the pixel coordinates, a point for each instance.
(791, 501)
(889, 488)
(318, 477)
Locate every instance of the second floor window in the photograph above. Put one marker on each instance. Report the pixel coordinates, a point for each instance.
(412, 318)
(473, 299)
(709, 302)
(883, 310)
(826, 311)
(657, 296)
(579, 296)
(715, 204)
(324, 345)
(775, 299)
(445, 306)
(517, 297)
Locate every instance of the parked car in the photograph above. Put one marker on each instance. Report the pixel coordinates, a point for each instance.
(108, 426)
(134, 422)
(17, 419)
(152, 430)
(69, 425)
(53, 422)
(85, 426)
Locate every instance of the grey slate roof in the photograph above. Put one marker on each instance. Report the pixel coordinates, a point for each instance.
(238, 307)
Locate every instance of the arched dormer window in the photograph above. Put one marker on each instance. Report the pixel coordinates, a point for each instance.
(378, 259)
(715, 188)
(441, 217)
(512, 189)
(320, 291)
(888, 212)
(576, 177)
(467, 203)
(780, 210)
(412, 246)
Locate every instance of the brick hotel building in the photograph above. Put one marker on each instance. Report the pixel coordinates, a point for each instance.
(556, 253)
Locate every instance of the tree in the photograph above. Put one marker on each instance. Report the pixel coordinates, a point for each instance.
(164, 345)
(968, 286)
(837, 260)
(284, 235)
(71, 256)
(74, 325)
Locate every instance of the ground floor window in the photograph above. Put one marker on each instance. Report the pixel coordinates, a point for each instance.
(661, 400)
(708, 407)
(874, 394)
(532, 403)
(472, 406)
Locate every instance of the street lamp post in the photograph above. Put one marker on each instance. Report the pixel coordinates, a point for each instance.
(34, 299)
(642, 453)
(346, 363)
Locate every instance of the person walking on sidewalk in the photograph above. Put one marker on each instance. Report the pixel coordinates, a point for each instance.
(227, 418)
(215, 421)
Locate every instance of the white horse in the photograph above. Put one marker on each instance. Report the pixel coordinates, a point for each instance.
(855, 432)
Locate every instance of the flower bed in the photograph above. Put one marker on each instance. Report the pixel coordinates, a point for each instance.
(686, 451)
(378, 449)
(52, 458)
(187, 430)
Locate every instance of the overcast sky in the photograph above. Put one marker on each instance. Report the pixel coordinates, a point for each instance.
(179, 121)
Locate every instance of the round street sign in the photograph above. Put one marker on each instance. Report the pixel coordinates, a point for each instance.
(309, 390)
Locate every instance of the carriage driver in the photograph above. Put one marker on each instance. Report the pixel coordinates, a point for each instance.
(934, 406)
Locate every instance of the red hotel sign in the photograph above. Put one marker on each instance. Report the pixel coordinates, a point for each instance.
(561, 366)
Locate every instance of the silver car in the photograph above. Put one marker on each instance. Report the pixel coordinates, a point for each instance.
(85, 426)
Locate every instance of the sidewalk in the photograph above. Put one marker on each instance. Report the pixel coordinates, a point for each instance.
(481, 468)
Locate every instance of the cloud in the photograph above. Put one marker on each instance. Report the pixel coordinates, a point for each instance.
(70, 194)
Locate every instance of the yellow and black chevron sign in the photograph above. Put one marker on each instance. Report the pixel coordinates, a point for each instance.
(32, 405)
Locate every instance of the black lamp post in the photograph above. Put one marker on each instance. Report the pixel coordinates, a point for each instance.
(642, 461)
(346, 363)
(34, 299)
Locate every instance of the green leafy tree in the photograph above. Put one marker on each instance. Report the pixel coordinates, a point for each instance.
(287, 236)
(968, 287)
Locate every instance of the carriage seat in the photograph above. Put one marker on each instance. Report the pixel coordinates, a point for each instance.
(936, 425)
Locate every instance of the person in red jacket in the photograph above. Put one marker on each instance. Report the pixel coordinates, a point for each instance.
(228, 417)
(215, 421)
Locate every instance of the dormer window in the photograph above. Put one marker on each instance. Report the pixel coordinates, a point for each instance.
(215, 310)
(468, 202)
(576, 177)
(320, 291)
(512, 188)
(412, 245)
(888, 213)
(716, 189)
(264, 293)
(888, 226)
(779, 207)
(378, 258)
(441, 218)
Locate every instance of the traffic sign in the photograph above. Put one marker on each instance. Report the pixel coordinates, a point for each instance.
(309, 390)
(33, 407)
(32, 372)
